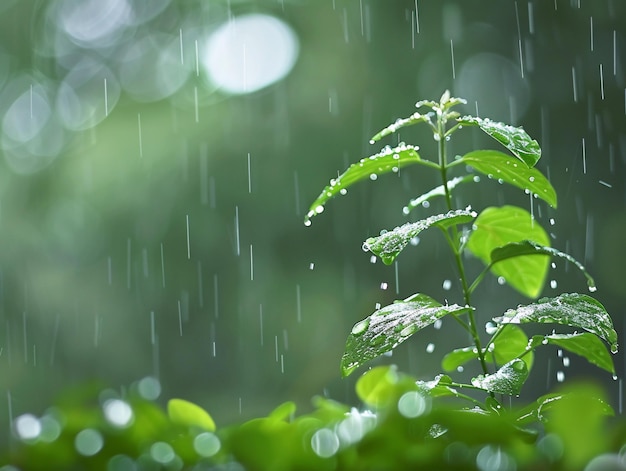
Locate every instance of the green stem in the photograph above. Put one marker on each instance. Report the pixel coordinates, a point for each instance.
(441, 136)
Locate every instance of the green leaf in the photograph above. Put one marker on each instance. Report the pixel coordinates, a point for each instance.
(510, 343)
(496, 227)
(388, 160)
(458, 357)
(509, 379)
(528, 247)
(574, 310)
(283, 412)
(389, 244)
(415, 118)
(584, 344)
(388, 327)
(536, 410)
(438, 191)
(515, 139)
(382, 385)
(188, 414)
(507, 169)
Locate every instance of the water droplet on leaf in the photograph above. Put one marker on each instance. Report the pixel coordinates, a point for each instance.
(360, 327)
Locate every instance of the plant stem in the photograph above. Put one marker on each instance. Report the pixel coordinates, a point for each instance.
(441, 136)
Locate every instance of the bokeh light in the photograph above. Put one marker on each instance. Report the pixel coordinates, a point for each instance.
(249, 53)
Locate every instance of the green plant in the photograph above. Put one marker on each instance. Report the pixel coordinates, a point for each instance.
(507, 239)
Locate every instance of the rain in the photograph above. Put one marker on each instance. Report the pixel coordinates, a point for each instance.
(158, 160)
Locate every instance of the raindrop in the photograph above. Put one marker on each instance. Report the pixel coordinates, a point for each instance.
(501, 280)
(437, 324)
(553, 284)
(373, 259)
(373, 177)
(88, 442)
(360, 327)
(325, 443)
(206, 444)
(614, 348)
(560, 376)
(162, 452)
(491, 328)
(383, 285)
(593, 288)
(311, 266)
(118, 412)
(28, 427)
(460, 369)
(447, 284)
(430, 348)
(565, 362)
(412, 404)
(319, 209)
(409, 330)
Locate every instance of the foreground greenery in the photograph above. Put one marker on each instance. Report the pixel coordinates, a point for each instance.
(403, 422)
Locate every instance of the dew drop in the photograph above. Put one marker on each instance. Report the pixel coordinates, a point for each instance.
(307, 222)
(373, 176)
(460, 369)
(491, 328)
(414, 241)
(531, 179)
(360, 327)
(408, 330)
(614, 377)
(426, 204)
(372, 141)
(501, 280)
(406, 210)
(593, 288)
(343, 191)
(319, 209)
(437, 324)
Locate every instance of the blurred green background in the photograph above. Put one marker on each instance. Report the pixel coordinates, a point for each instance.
(158, 158)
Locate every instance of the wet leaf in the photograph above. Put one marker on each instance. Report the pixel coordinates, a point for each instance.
(388, 160)
(283, 412)
(389, 326)
(509, 379)
(389, 244)
(507, 169)
(458, 357)
(584, 344)
(499, 226)
(574, 310)
(528, 247)
(515, 139)
(189, 414)
(438, 191)
(415, 118)
(382, 385)
(509, 344)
